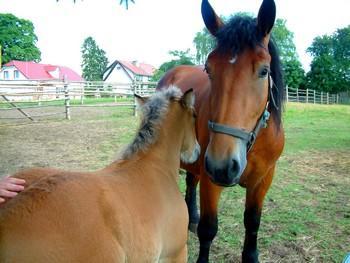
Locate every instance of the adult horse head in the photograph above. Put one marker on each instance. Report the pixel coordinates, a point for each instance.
(239, 70)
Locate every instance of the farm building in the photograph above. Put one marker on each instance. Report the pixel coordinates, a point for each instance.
(29, 70)
(27, 80)
(128, 72)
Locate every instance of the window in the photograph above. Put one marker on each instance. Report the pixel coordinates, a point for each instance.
(6, 74)
(16, 74)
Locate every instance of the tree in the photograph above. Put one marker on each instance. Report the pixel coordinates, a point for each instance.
(94, 60)
(330, 67)
(204, 43)
(294, 74)
(17, 39)
(180, 58)
(126, 2)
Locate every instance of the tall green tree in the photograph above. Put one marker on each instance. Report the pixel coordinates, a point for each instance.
(330, 66)
(17, 39)
(204, 43)
(294, 74)
(180, 58)
(94, 60)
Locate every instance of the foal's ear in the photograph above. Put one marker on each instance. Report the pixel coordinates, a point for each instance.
(266, 17)
(210, 18)
(140, 100)
(188, 98)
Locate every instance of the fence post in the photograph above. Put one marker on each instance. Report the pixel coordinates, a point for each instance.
(82, 94)
(307, 95)
(135, 103)
(66, 99)
(297, 95)
(287, 94)
(337, 98)
(314, 96)
(327, 97)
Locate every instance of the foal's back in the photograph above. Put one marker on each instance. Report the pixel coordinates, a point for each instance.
(104, 217)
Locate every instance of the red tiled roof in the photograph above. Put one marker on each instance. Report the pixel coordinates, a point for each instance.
(139, 69)
(32, 70)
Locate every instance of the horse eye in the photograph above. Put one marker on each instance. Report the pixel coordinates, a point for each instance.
(206, 68)
(264, 72)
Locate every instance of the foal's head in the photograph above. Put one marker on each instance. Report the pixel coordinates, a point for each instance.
(170, 112)
(239, 71)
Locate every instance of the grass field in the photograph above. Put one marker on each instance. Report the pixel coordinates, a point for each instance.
(306, 216)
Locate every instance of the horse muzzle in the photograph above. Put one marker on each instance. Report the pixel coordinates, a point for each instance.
(191, 157)
(226, 172)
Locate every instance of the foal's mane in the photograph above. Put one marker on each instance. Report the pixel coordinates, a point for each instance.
(239, 33)
(153, 112)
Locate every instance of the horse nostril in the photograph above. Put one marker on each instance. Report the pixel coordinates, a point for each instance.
(235, 166)
(206, 164)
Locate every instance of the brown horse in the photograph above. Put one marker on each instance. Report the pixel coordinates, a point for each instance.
(130, 211)
(241, 86)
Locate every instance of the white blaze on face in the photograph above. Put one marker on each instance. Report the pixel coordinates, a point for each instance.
(233, 60)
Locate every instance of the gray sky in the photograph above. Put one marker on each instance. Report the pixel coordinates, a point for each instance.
(150, 28)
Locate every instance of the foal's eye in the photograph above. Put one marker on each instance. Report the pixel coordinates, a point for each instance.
(263, 73)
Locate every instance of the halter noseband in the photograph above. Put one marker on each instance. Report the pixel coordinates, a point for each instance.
(248, 137)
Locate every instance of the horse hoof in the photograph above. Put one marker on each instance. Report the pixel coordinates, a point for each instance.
(193, 227)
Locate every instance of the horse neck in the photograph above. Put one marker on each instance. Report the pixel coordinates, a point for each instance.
(166, 150)
(163, 154)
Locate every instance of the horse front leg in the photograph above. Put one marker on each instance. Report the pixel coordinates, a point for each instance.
(255, 196)
(208, 222)
(191, 201)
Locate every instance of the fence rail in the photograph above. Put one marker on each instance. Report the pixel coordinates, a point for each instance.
(23, 96)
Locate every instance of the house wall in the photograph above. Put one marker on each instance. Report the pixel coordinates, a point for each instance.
(119, 75)
(11, 71)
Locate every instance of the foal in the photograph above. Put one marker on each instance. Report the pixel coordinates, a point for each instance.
(130, 211)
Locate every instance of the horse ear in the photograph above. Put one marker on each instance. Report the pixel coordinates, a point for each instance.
(140, 100)
(210, 18)
(188, 98)
(266, 17)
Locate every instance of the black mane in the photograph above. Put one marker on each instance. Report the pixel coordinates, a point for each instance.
(239, 33)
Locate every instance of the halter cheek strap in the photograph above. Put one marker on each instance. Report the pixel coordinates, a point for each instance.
(248, 137)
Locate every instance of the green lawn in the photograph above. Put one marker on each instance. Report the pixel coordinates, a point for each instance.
(306, 216)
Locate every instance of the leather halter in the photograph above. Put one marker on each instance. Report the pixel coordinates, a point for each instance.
(248, 137)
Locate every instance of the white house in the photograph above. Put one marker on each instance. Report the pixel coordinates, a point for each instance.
(123, 73)
(128, 72)
(30, 77)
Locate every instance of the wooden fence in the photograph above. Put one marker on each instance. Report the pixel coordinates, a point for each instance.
(21, 96)
(311, 96)
(24, 95)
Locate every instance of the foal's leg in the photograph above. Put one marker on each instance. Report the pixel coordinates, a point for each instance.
(208, 223)
(191, 201)
(252, 214)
